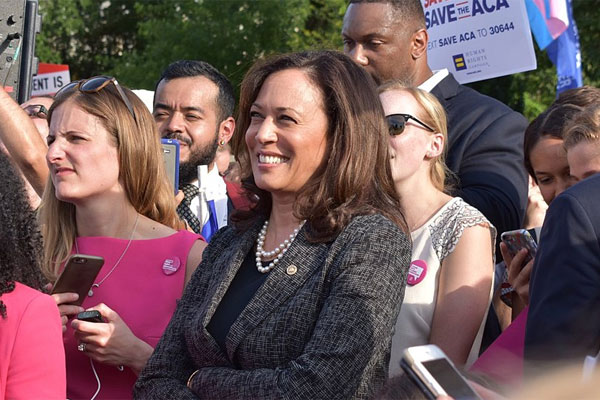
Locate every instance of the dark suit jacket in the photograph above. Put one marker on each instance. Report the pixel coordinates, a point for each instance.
(321, 333)
(564, 311)
(485, 150)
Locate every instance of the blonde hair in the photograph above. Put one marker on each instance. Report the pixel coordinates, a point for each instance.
(584, 127)
(431, 113)
(141, 171)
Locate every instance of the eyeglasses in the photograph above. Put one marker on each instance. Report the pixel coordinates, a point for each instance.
(397, 122)
(96, 84)
(37, 111)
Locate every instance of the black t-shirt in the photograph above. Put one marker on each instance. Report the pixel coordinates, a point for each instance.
(243, 287)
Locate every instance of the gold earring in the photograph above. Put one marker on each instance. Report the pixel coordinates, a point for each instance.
(222, 143)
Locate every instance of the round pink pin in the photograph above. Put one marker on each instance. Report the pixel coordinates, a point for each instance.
(171, 265)
(416, 272)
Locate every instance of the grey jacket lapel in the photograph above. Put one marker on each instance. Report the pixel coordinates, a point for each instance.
(283, 281)
(223, 277)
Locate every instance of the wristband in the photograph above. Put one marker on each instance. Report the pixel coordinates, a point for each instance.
(505, 293)
(189, 382)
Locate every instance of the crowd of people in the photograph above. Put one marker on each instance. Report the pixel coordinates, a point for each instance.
(351, 208)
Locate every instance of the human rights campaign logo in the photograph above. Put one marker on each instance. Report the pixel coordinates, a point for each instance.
(459, 62)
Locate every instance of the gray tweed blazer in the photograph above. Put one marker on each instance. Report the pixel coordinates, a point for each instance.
(323, 332)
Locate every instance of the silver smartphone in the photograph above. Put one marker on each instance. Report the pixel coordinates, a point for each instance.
(435, 373)
(171, 159)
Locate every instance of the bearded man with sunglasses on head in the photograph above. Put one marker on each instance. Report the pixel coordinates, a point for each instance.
(485, 150)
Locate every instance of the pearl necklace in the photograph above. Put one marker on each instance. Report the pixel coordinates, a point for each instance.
(278, 252)
(97, 285)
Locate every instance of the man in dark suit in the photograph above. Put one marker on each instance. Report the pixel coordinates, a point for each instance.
(485, 137)
(194, 104)
(564, 318)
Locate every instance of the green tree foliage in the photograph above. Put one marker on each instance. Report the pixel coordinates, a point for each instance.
(136, 39)
(228, 34)
(88, 35)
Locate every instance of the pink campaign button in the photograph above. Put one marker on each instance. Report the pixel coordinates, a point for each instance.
(416, 272)
(171, 265)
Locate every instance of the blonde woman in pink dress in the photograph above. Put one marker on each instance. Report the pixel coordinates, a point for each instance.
(108, 195)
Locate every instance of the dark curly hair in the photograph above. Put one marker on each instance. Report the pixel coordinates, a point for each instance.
(20, 238)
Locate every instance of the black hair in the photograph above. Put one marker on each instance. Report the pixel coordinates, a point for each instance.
(20, 238)
(406, 10)
(193, 68)
(551, 123)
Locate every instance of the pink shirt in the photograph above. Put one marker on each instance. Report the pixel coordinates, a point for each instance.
(32, 358)
(143, 290)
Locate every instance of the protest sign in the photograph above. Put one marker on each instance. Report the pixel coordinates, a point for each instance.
(49, 79)
(478, 39)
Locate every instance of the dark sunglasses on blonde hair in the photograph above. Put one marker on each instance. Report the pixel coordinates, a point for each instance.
(397, 122)
(96, 84)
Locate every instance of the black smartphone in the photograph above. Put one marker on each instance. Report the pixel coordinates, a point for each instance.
(90, 316)
(78, 276)
(171, 159)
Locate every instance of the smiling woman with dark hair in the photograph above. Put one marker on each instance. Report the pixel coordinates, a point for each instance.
(32, 359)
(299, 297)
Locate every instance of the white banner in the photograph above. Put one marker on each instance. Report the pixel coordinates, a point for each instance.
(50, 78)
(478, 39)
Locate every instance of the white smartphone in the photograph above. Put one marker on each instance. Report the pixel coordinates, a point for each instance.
(435, 373)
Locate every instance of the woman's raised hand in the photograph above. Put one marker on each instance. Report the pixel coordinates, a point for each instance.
(519, 274)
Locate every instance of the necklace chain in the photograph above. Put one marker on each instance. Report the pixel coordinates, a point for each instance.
(278, 252)
(91, 291)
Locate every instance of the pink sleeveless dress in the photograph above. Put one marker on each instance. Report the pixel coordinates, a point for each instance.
(143, 290)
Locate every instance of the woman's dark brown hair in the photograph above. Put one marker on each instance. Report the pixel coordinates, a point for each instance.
(551, 123)
(354, 177)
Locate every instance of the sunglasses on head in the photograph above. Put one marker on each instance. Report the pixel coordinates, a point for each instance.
(397, 122)
(96, 84)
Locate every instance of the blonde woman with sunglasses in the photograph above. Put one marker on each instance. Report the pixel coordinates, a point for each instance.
(449, 286)
(108, 195)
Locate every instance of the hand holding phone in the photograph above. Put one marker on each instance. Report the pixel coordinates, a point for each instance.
(90, 316)
(435, 373)
(78, 276)
(520, 239)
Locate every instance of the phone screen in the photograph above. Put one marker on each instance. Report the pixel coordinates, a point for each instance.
(452, 382)
(171, 160)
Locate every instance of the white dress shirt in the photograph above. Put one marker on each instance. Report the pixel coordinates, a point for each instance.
(213, 189)
(432, 82)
